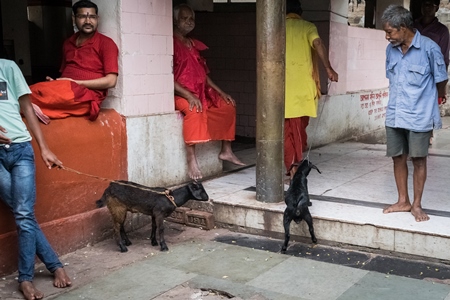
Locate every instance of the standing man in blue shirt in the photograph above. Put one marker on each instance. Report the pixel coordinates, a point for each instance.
(417, 75)
(17, 178)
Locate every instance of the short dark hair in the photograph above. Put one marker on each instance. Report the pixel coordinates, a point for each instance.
(84, 4)
(294, 6)
(435, 2)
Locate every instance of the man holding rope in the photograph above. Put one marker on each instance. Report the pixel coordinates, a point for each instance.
(17, 178)
(303, 44)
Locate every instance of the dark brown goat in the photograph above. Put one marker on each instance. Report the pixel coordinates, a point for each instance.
(123, 196)
(297, 202)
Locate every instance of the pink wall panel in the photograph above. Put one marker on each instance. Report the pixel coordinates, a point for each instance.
(366, 58)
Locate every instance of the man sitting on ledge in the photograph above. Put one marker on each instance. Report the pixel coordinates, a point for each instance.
(89, 68)
(209, 113)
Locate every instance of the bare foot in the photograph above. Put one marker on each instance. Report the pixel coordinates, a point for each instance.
(193, 170)
(61, 278)
(397, 207)
(29, 291)
(419, 214)
(231, 158)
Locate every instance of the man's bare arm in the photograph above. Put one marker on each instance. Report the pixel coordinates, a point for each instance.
(228, 99)
(191, 98)
(441, 87)
(103, 83)
(33, 125)
(323, 55)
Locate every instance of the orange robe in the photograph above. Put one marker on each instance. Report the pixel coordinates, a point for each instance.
(94, 59)
(218, 119)
(62, 98)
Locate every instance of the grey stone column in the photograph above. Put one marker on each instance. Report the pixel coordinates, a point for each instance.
(270, 68)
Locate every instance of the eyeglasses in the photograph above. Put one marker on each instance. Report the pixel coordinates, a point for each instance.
(85, 17)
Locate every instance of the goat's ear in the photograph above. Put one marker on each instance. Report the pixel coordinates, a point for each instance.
(197, 185)
(194, 186)
(316, 168)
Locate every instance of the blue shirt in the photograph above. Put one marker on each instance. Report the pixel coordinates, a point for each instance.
(412, 78)
(12, 87)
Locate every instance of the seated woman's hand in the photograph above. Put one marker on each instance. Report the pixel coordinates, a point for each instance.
(195, 102)
(228, 99)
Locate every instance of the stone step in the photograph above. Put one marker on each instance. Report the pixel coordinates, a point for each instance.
(341, 223)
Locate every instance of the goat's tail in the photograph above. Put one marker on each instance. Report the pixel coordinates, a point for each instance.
(101, 202)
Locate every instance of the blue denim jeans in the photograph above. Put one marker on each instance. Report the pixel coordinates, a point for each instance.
(18, 191)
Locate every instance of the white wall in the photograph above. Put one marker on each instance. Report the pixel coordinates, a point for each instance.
(366, 55)
(156, 151)
(355, 105)
(144, 94)
(345, 116)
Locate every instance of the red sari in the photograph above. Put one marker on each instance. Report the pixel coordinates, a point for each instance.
(217, 121)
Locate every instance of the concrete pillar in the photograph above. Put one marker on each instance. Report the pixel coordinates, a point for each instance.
(270, 62)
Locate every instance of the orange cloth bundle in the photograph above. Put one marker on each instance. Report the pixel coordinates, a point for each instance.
(59, 99)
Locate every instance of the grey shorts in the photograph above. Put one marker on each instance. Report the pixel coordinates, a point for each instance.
(402, 141)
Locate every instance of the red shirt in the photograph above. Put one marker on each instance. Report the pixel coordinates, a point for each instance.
(189, 67)
(94, 59)
(439, 33)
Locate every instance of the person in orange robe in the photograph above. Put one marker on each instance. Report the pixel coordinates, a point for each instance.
(89, 68)
(209, 113)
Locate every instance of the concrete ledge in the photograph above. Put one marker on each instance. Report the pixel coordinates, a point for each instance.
(361, 226)
(156, 151)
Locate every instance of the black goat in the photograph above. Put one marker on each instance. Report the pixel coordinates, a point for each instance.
(122, 196)
(297, 202)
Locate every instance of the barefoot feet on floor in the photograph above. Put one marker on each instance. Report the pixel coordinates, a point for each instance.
(61, 279)
(229, 156)
(193, 170)
(29, 291)
(419, 214)
(398, 207)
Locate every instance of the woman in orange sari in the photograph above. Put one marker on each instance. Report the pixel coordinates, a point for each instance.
(209, 113)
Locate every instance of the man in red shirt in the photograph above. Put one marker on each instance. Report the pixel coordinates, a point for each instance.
(89, 68)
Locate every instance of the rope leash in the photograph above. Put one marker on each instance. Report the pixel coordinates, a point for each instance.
(317, 123)
(165, 193)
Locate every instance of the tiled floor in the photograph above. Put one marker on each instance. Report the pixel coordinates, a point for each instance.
(356, 183)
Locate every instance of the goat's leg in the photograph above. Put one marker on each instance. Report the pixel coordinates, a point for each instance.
(124, 236)
(118, 213)
(153, 234)
(308, 219)
(160, 222)
(119, 241)
(286, 223)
